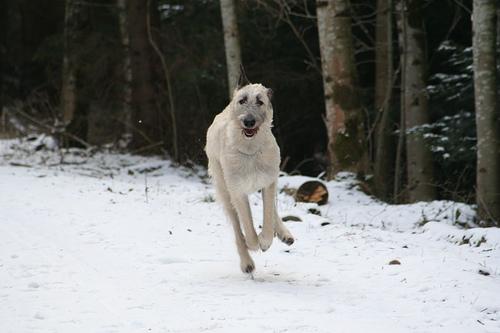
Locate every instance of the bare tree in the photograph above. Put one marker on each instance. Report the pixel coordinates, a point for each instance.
(415, 100)
(127, 72)
(498, 29)
(146, 119)
(68, 89)
(487, 112)
(344, 117)
(3, 38)
(384, 74)
(74, 111)
(231, 42)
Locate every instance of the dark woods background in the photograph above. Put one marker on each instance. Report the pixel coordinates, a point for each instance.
(183, 83)
(190, 36)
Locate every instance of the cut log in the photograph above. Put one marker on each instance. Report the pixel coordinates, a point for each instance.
(312, 191)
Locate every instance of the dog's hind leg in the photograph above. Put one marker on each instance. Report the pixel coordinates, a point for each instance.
(246, 263)
(282, 232)
(240, 202)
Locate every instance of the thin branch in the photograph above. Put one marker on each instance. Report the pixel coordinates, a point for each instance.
(284, 14)
(167, 81)
(386, 100)
(54, 129)
(94, 4)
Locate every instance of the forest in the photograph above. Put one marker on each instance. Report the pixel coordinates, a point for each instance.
(403, 93)
(125, 207)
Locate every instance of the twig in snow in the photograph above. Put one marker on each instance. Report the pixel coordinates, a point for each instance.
(146, 186)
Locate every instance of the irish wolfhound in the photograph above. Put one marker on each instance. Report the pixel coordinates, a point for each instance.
(243, 157)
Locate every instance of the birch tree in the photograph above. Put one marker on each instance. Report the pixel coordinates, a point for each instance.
(487, 111)
(384, 73)
(344, 118)
(415, 100)
(231, 42)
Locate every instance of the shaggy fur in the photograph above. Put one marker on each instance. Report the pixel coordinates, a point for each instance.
(243, 157)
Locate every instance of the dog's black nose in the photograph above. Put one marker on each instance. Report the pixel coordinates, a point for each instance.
(249, 122)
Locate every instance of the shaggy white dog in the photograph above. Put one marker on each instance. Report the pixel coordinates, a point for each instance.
(243, 157)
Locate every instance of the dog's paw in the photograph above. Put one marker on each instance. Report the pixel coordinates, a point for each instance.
(265, 241)
(286, 238)
(252, 243)
(247, 266)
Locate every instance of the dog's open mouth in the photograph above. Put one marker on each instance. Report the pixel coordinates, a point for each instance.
(249, 132)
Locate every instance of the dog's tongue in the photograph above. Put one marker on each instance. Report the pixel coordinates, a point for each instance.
(249, 132)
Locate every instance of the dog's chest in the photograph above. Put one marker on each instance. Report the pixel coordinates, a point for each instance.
(250, 173)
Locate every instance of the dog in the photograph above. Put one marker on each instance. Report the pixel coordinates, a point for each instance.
(243, 157)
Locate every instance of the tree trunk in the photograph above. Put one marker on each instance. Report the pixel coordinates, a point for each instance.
(487, 112)
(127, 74)
(145, 114)
(398, 163)
(415, 102)
(74, 112)
(231, 43)
(498, 29)
(384, 73)
(344, 117)
(68, 89)
(3, 51)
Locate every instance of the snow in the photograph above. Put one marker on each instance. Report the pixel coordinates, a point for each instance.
(118, 243)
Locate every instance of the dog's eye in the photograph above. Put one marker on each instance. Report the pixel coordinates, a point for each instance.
(259, 102)
(243, 100)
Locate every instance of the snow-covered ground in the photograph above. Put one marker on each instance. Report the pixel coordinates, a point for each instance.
(119, 243)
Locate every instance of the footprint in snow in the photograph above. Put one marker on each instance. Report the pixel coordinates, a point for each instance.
(168, 261)
(34, 285)
(39, 316)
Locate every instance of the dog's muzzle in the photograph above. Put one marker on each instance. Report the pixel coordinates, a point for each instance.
(249, 128)
(250, 132)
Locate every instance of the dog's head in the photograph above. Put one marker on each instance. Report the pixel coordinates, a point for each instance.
(251, 106)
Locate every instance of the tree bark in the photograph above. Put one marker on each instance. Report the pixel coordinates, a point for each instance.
(3, 48)
(498, 29)
(415, 102)
(344, 117)
(384, 74)
(68, 89)
(487, 112)
(231, 43)
(127, 73)
(145, 114)
(74, 111)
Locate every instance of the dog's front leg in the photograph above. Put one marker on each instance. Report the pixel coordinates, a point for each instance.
(240, 202)
(269, 201)
(246, 263)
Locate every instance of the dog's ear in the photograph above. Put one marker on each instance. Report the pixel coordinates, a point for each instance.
(243, 79)
(270, 93)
